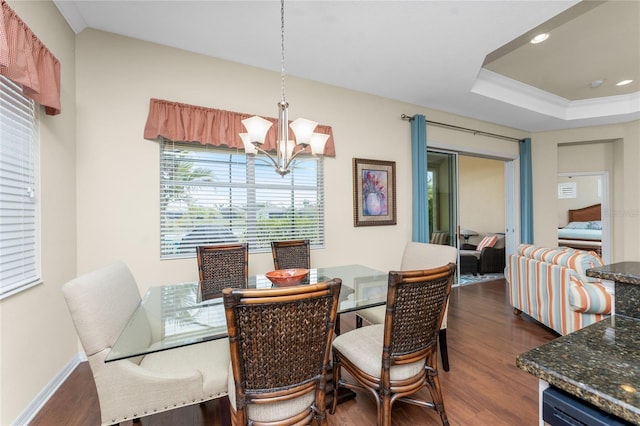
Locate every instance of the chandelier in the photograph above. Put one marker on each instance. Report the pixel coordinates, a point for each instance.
(287, 149)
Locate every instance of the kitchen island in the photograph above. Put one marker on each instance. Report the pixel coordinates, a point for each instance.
(599, 364)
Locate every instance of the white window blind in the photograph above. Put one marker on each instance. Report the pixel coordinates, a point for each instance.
(212, 195)
(19, 239)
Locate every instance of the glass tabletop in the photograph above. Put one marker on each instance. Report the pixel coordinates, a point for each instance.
(171, 316)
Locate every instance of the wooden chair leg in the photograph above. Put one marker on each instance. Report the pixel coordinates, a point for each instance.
(433, 384)
(436, 394)
(444, 352)
(335, 373)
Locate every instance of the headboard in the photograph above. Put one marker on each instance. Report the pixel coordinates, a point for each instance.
(586, 214)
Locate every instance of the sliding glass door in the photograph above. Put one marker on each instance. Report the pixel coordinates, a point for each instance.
(442, 186)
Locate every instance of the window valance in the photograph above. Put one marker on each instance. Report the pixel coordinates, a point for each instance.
(26, 60)
(189, 123)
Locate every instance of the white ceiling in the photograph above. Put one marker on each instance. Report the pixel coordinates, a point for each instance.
(428, 53)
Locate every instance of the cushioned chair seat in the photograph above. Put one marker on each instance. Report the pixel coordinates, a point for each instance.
(363, 347)
(420, 256)
(271, 412)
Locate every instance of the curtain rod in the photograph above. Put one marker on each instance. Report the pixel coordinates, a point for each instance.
(462, 129)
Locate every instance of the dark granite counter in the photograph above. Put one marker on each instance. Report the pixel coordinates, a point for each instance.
(627, 286)
(623, 272)
(599, 364)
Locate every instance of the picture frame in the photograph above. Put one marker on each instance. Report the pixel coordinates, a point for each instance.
(374, 192)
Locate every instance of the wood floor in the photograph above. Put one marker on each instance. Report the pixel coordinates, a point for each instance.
(483, 386)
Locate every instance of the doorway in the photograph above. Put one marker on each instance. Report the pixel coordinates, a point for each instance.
(471, 192)
(582, 189)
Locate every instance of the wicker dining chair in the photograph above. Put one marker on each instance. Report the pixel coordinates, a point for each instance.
(280, 344)
(419, 256)
(291, 254)
(394, 360)
(221, 266)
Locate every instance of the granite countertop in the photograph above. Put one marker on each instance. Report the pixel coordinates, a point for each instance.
(599, 364)
(624, 272)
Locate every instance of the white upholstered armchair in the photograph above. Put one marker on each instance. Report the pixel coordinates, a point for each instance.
(100, 304)
(420, 256)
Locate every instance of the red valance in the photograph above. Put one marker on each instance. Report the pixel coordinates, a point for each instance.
(25, 60)
(189, 123)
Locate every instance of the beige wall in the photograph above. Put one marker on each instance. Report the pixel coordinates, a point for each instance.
(118, 196)
(482, 195)
(37, 337)
(622, 143)
(100, 177)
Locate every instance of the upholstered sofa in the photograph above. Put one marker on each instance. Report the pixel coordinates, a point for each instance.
(551, 286)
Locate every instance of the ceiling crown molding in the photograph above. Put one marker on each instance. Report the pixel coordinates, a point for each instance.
(513, 92)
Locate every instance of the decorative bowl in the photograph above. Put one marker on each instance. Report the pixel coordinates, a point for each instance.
(287, 277)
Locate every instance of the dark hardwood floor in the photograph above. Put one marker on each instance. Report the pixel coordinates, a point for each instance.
(483, 387)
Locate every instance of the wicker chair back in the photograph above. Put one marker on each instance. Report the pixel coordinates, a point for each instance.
(416, 303)
(222, 266)
(280, 341)
(291, 254)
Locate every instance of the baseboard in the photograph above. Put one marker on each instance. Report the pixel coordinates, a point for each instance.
(38, 402)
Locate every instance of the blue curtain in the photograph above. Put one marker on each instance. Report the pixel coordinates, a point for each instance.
(526, 192)
(419, 178)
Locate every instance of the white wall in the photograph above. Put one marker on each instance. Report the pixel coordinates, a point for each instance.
(37, 337)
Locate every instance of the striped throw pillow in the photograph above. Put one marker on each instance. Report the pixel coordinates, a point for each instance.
(488, 241)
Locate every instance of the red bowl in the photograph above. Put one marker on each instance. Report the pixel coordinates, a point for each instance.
(286, 277)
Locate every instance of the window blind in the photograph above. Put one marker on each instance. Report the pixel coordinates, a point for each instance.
(213, 195)
(19, 256)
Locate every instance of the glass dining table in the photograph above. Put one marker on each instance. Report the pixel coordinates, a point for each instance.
(172, 316)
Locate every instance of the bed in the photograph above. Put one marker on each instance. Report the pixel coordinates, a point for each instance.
(584, 229)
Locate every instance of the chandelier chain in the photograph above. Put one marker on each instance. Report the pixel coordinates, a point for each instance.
(282, 47)
(303, 129)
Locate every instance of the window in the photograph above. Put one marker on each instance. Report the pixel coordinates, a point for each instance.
(212, 195)
(19, 210)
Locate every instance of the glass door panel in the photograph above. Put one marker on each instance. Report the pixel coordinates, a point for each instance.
(442, 187)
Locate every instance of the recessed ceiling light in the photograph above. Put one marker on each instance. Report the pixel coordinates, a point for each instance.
(539, 38)
(597, 83)
(623, 82)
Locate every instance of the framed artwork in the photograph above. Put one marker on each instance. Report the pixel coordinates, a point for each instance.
(374, 192)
